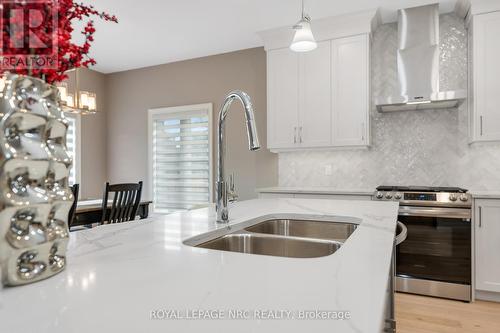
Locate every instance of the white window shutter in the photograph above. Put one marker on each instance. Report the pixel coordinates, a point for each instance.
(71, 146)
(180, 159)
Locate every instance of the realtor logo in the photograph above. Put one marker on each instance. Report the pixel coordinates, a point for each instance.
(29, 34)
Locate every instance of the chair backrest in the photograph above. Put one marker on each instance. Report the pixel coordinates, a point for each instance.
(72, 212)
(125, 202)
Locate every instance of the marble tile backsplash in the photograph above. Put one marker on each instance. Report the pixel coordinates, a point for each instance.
(408, 148)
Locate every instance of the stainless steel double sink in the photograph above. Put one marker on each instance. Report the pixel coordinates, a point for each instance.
(285, 238)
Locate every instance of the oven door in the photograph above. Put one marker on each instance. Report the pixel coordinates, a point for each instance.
(437, 251)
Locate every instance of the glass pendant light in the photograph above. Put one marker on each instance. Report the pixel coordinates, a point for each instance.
(77, 101)
(303, 40)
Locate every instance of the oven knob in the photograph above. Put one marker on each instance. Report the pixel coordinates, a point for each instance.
(398, 196)
(464, 197)
(388, 195)
(453, 197)
(379, 195)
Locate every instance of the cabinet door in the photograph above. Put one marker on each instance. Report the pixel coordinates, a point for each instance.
(282, 97)
(314, 97)
(486, 71)
(351, 91)
(487, 227)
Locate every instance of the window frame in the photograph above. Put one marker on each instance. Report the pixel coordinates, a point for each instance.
(206, 107)
(78, 146)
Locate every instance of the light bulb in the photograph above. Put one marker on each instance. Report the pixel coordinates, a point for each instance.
(2, 84)
(303, 40)
(63, 93)
(84, 100)
(92, 102)
(70, 101)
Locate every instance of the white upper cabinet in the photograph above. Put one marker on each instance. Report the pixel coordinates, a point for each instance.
(487, 230)
(314, 97)
(485, 79)
(351, 91)
(299, 110)
(282, 98)
(320, 99)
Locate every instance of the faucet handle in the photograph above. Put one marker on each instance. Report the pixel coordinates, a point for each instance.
(221, 203)
(232, 196)
(224, 193)
(231, 182)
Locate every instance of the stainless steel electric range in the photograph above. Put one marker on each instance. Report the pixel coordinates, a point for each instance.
(435, 259)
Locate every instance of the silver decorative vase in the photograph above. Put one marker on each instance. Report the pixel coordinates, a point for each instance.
(35, 198)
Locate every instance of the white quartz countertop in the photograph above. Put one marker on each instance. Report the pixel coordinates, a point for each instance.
(477, 194)
(485, 194)
(316, 190)
(118, 274)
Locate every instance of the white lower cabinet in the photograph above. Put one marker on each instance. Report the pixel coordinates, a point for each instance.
(487, 244)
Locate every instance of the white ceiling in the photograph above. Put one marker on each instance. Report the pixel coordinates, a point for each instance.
(152, 32)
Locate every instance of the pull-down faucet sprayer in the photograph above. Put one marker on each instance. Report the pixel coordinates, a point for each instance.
(253, 144)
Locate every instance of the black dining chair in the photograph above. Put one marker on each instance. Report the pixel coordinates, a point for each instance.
(72, 212)
(126, 199)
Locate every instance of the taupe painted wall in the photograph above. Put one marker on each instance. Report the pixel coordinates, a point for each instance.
(205, 80)
(93, 138)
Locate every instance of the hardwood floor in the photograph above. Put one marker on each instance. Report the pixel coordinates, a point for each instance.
(420, 314)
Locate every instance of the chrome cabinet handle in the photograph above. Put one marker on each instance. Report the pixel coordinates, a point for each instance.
(300, 134)
(363, 132)
(480, 216)
(295, 135)
(481, 125)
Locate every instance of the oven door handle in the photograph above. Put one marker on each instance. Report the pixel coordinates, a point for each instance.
(453, 213)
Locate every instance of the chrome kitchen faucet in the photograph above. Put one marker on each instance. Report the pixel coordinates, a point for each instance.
(253, 144)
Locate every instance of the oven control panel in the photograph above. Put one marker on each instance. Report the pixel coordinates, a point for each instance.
(426, 198)
(420, 196)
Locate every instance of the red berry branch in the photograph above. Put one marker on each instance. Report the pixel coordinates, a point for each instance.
(69, 54)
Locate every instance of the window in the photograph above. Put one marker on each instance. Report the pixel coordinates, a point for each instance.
(180, 157)
(73, 146)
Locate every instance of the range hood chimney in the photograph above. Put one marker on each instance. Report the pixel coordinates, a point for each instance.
(418, 64)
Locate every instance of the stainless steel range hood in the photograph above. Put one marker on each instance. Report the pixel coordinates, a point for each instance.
(418, 64)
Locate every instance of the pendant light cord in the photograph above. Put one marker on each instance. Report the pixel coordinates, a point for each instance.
(303, 15)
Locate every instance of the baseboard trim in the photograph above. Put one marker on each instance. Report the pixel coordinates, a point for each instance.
(487, 296)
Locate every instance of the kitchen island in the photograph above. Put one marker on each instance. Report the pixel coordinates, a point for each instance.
(142, 277)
